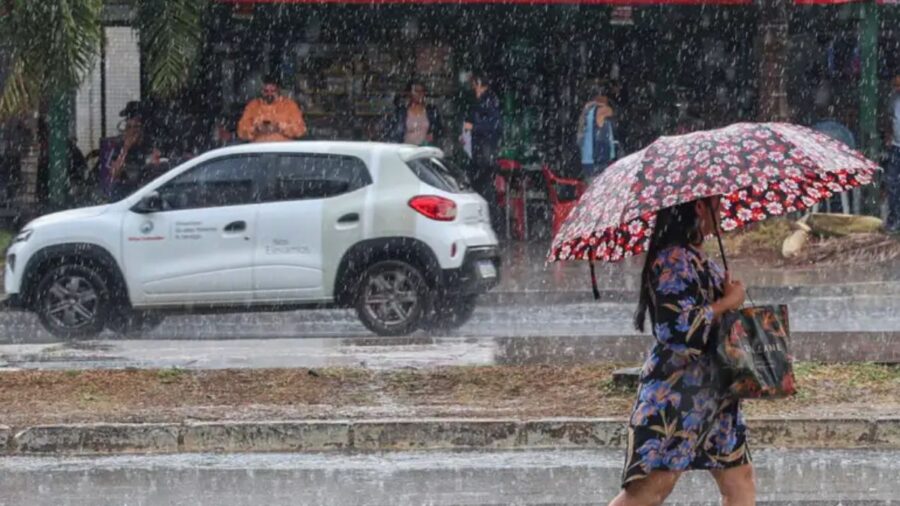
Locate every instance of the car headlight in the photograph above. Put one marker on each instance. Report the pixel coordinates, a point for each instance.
(23, 236)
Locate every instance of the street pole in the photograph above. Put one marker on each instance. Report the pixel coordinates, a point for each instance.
(773, 32)
(57, 175)
(868, 84)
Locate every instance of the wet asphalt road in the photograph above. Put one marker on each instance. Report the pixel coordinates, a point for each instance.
(824, 314)
(580, 477)
(827, 329)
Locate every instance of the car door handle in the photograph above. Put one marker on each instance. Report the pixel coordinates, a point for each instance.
(348, 218)
(236, 226)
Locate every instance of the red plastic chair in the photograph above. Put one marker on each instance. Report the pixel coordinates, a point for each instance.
(561, 208)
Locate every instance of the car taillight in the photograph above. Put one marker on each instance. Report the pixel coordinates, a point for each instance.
(434, 207)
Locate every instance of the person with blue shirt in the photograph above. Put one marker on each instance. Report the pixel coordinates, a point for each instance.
(596, 135)
(892, 170)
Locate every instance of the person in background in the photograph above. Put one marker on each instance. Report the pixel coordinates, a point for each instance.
(596, 135)
(133, 160)
(892, 168)
(415, 122)
(272, 117)
(485, 125)
(223, 131)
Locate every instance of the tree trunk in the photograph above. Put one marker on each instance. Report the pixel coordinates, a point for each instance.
(773, 34)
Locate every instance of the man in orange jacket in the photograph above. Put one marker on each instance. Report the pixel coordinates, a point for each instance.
(271, 118)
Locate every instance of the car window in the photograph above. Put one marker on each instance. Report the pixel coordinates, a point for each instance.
(217, 183)
(313, 176)
(440, 174)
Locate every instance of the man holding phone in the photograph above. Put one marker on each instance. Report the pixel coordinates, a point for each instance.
(272, 117)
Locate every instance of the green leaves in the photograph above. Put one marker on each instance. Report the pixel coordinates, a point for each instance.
(171, 34)
(52, 45)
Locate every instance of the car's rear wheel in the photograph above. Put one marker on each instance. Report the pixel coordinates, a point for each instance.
(451, 313)
(130, 322)
(391, 298)
(73, 301)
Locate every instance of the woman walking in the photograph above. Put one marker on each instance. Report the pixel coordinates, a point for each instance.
(681, 420)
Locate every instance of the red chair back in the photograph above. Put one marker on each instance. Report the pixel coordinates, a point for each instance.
(561, 208)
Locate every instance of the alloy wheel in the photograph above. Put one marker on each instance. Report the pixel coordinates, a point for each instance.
(71, 302)
(391, 296)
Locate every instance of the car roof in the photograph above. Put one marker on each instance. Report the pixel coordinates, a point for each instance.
(360, 149)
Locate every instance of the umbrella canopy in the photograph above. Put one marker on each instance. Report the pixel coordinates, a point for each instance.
(759, 170)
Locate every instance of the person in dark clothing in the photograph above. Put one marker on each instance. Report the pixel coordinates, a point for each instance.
(133, 160)
(485, 124)
(415, 122)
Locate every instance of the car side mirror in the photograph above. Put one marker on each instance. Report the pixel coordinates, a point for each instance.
(149, 203)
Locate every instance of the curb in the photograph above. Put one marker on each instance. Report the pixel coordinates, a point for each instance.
(413, 434)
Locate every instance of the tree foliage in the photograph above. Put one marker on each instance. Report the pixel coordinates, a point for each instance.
(171, 33)
(51, 45)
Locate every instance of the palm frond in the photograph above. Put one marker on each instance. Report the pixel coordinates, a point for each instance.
(53, 44)
(171, 33)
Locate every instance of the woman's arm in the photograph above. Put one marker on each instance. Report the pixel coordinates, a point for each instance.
(682, 315)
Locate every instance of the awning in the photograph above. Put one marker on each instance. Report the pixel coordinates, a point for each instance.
(546, 2)
(495, 2)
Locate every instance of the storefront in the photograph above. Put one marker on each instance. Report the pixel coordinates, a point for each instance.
(349, 65)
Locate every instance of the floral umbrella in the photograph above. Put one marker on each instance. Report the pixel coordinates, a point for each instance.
(759, 170)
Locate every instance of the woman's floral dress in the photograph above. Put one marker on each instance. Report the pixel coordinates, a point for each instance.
(681, 420)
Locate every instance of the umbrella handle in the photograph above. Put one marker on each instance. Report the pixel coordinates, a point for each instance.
(722, 249)
(718, 237)
(593, 275)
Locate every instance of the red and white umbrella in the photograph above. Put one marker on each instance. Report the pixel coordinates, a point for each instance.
(759, 169)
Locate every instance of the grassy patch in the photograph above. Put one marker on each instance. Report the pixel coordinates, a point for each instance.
(171, 375)
(6, 237)
(526, 391)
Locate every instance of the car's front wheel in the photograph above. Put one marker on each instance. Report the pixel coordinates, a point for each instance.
(73, 301)
(391, 298)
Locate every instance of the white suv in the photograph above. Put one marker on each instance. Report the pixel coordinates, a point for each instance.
(388, 229)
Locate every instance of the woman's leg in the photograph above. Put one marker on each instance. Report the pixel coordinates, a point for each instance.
(737, 485)
(649, 491)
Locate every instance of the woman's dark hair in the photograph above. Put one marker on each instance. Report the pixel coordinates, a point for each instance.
(675, 226)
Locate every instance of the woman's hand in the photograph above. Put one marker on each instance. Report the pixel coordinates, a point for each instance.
(735, 291)
(735, 294)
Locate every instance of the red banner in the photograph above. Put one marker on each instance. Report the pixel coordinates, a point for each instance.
(509, 2)
(546, 2)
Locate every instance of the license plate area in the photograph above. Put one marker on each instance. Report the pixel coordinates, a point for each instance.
(486, 269)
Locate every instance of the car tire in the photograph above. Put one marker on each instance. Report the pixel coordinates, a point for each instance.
(129, 323)
(73, 301)
(452, 313)
(391, 298)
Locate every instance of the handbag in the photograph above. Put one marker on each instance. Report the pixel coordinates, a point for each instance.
(752, 349)
(752, 353)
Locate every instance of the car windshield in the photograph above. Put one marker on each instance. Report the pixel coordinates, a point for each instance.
(440, 174)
